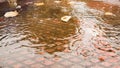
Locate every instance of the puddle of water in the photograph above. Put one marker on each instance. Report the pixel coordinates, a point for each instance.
(39, 27)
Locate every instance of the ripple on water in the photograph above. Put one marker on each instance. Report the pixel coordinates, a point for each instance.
(40, 28)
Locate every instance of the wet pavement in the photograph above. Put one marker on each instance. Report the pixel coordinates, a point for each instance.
(37, 38)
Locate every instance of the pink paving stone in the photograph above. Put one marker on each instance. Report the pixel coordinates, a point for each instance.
(47, 62)
(97, 66)
(30, 56)
(76, 66)
(75, 59)
(66, 63)
(118, 57)
(10, 62)
(6, 67)
(23, 52)
(100, 51)
(57, 66)
(75, 54)
(57, 59)
(94, 60)
(15, 55)
(1, 59)
(110, 54)
(18, 65)
(86, 63)
(106, 64)
(21, 58)
(106, 53)
(113, 60)
(37, 65)
(116, 66)
(29, 62)
(67, 56)
(40, 59)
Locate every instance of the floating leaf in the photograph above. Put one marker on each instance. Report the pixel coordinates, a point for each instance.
(65, 18)
(18, 7)
(57, 2)
(39, 4)
(71, 2)
(109, 14)
(11, 14)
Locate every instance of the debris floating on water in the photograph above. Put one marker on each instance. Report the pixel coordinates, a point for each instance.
(109, 14)
(18, 7)
(39, 4)
(11, 14)
(65, 18)
(71, 2)
(57, 2)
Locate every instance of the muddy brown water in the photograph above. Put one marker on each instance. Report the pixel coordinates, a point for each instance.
(40, 27)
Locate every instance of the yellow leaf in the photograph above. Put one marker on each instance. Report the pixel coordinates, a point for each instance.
(39, 4)
(109, 13)
(65, 18)
(71, 2)
(57, 2)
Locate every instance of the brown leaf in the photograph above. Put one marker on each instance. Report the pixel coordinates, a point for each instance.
(101, 58)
